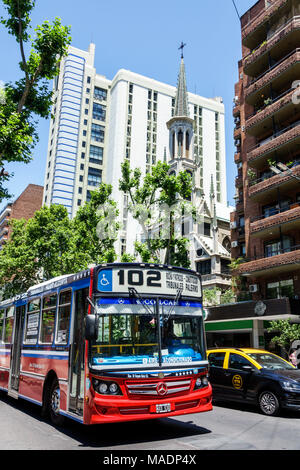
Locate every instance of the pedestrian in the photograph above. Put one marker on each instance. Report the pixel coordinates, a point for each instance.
(293, 357)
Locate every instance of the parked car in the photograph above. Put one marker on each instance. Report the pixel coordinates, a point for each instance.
(254, 376)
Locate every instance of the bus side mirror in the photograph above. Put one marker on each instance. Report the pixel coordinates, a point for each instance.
(91, 327)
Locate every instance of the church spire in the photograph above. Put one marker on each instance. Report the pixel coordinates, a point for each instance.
(181, 101)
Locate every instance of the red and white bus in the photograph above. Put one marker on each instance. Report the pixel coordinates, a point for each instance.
(117, 342)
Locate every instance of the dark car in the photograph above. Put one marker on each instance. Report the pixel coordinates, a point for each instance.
(254, 376)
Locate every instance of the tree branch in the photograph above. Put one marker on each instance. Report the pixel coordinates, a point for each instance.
(21, 42)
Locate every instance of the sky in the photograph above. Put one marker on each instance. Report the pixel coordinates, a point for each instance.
(143, 37)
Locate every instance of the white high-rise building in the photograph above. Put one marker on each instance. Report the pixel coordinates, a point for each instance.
(100, 122)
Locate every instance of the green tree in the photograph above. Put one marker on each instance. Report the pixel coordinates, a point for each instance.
(95, 229)
(158, 202)
(287, 332)
(29, 97)
(50, 244)
(211, 296)
(37, 250)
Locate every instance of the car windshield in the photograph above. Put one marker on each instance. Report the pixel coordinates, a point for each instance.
(128, 335)
(270, 361)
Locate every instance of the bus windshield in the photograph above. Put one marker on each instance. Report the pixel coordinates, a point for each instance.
(128, 335)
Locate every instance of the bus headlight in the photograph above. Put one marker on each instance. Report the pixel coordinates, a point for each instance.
(106, 388)
(201, 382)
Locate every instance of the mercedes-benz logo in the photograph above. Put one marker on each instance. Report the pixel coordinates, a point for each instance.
(161, 388)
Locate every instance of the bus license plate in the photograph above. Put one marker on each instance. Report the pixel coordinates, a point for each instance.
(164, 408)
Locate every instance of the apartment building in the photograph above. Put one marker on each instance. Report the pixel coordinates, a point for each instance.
(265, 226)
(98, 123)
(24, 207)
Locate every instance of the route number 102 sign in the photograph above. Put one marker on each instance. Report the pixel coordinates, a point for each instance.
(158, 281)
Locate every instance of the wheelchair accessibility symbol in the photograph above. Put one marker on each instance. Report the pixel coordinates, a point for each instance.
(105, 280)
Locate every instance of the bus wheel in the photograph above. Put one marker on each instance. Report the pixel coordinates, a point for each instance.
(269, 403)
(54, 404)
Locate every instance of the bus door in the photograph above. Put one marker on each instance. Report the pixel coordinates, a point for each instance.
(13, 386)
(76, 390)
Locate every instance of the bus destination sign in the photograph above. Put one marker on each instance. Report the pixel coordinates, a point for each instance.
(148, 281)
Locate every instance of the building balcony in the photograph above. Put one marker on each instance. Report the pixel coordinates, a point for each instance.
(279, 44)
(284, 71)
(265, 189)
(237, 157)
(283, 261)
(252, 21)
(282, 142)
(237, 132)
(283, 106)
(239, 205)
(216, 279)
(239, 181)
(264, 225)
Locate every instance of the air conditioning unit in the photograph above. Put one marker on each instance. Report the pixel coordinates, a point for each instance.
(253, 287)
(233, 224)
(234, 244)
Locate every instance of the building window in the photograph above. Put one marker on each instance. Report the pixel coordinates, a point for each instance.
(100, 94)
(94, 177)
(280, 289)
(97, 133)
(206, 229)
(204, 267)
(275, 247)
(99, 111)
(96, 154)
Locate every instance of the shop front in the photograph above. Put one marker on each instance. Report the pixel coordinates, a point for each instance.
(245, 324)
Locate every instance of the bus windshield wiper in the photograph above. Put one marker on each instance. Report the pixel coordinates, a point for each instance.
(133, 292)
(178, 295)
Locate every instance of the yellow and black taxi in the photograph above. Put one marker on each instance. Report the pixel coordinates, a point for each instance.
(254, 376)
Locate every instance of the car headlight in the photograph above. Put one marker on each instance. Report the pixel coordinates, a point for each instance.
(291, 386)
(201, 382)
(106, 388)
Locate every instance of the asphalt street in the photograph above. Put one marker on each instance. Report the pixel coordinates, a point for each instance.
(227, 427)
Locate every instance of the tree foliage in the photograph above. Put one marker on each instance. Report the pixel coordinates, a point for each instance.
(50, 244)
(287, 332)
(30, 96)
(158, 202)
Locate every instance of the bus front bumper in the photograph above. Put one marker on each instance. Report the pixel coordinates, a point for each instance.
(108, 410)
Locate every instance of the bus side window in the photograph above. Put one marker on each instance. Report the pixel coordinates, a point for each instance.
(2, 313)
(32, 321)
(48, 318)
(63, 317)
(9, 324)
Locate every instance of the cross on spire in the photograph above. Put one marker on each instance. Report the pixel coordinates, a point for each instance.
(181, 47)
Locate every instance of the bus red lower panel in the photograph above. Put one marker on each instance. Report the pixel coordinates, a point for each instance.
(108, 410)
